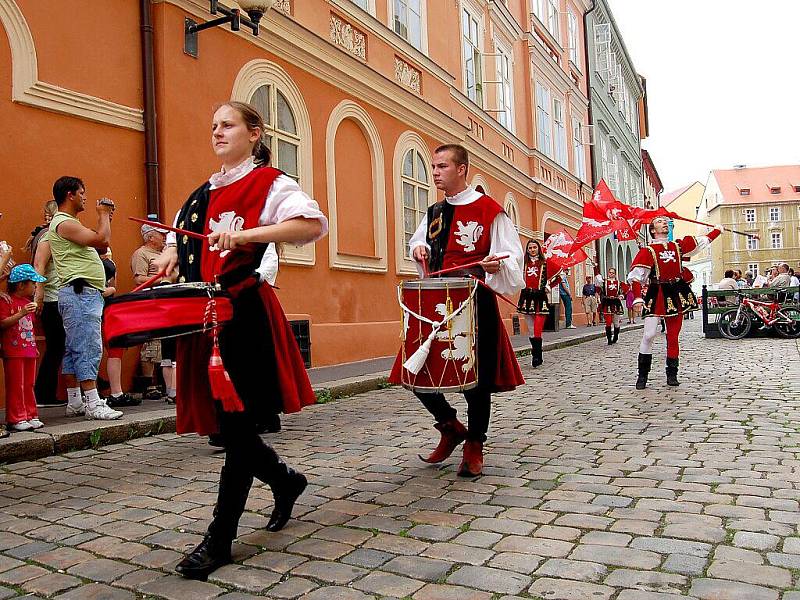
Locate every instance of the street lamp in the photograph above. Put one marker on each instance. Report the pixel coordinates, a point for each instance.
(255, 9)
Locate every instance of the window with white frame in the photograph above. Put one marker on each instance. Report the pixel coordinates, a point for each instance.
(553, 20)
(776, 238)
(774, 214)
(753, 269)
(613, 172)
(505, 92)
(407, 21)
(544, 124)
(559, 132)
(604, 159)
(362, 3)
(578, 149)
(539, 10)
(623, 188)
(750, 215)
(416, 192)
(572, 35)
(752, 243)
(602, 48)
(473, 76)
(281, 129)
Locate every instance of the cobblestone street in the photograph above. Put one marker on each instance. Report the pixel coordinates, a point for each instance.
(591, 491)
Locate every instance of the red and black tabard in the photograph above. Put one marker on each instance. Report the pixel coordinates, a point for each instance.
(236, 207)
(533, 274)
(470, 232)
(664, 259)
(614, 287)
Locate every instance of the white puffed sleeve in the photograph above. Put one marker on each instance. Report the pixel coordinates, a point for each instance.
(286, 201)
(505, 240)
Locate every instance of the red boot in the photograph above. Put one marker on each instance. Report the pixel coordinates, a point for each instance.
(472, 464)
(453, 433)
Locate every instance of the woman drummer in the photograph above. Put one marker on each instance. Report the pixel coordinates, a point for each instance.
(533, 298)
(242, 208)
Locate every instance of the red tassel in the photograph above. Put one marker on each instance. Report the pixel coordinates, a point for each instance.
(221, 385)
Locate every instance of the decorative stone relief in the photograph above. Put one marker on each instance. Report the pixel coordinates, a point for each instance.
(343, 34)
(285, 6)
(407, 76)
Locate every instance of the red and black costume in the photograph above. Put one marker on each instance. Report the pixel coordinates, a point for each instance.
(611, 290)
(533, 303)
(257, 346)
(458, 231)
(669, 295)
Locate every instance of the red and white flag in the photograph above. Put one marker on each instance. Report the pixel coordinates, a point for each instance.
(560, 252)
(603, 215)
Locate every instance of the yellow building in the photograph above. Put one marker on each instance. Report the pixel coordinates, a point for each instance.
(763, 201)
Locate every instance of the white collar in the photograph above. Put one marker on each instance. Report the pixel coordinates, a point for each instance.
(223, 178)
(466, 196)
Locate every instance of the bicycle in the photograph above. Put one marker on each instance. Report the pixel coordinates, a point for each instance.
(735, 323)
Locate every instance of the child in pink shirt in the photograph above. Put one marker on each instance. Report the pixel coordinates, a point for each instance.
(19, 348)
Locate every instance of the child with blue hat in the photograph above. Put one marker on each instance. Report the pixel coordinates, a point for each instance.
(19, 348)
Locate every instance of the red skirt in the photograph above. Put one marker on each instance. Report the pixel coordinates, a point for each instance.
(498, 369)
(261, 355)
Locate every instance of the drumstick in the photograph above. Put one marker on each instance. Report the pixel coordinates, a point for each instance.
(498, 294)
(199, 236)
(467, 266)
(149, 282)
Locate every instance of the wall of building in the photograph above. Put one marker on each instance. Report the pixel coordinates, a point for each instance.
(361, 98)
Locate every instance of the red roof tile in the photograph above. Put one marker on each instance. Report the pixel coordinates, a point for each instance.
(758, 180)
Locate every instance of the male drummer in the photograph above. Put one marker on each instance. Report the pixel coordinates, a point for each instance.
(469, 226)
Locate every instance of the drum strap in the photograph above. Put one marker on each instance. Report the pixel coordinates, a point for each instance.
(416, 361)
(440, 217)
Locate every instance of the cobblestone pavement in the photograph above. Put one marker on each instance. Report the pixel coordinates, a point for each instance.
(592, 491)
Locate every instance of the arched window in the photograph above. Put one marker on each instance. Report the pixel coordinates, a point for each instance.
(281, 134)
(510, 206)
(276, 96)
(416, 191)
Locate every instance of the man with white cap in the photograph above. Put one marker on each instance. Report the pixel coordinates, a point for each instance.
(156, 351)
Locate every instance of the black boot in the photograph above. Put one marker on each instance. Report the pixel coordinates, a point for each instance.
(672, 371)
(616, 334)
(645, 361)
(286, 484)
(609, 335)
(215, 549)
(536, 351)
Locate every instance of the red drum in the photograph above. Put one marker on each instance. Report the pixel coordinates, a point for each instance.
(163, 311)
(438, 351)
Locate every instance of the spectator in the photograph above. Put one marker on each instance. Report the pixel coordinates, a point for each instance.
(782, 278)
(157, 351)
(740, 281)
(19, 348)
(728, 282)
(772, 273)
(566, 298)
(80, 301)
(590, 301)
(629, 305)
(794, 281)
(46, 298)
(748, 279)
(116, 396)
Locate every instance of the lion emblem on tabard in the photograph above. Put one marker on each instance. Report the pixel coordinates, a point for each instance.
(228, 221)
(468, 235)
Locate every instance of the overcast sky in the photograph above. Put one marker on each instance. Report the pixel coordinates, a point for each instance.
(723, 82)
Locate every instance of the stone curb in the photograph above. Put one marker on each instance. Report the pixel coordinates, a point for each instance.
(81, 435)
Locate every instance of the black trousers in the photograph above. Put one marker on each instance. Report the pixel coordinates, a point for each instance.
(247, 456)
(46, 386)
(479, 408)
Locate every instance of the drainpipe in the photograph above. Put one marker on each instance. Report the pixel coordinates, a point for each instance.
(588, 68)
(149, 103)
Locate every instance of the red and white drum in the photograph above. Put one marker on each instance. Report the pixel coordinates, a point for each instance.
(439, 329)
(163, 311)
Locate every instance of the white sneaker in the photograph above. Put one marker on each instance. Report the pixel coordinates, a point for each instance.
(571, 327)
(36, 423)
(76, 411)
(102, 412)
(21, 426)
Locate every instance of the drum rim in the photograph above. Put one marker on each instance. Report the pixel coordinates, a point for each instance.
(437, 283)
